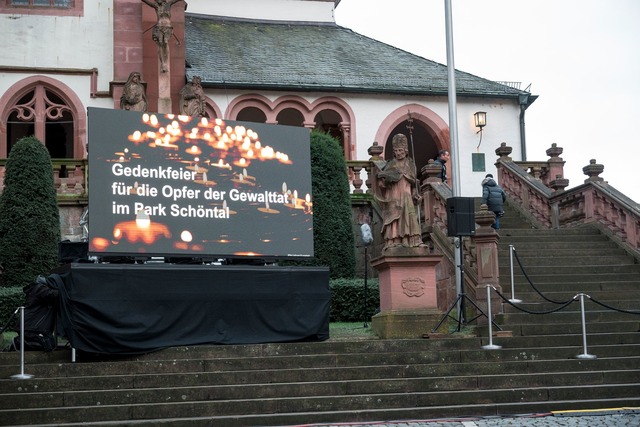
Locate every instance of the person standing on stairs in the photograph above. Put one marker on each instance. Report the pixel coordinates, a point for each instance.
(441, 160)
(493, 196)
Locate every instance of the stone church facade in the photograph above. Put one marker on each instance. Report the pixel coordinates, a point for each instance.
(270, 61)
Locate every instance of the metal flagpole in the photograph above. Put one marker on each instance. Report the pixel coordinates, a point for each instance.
(453, 131)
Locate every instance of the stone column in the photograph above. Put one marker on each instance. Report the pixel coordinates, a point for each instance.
(486, 240)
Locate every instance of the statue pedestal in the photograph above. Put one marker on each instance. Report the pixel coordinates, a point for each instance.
(408, 294)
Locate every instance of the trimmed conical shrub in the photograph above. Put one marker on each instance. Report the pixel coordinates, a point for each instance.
(29, 216)
(334, 243)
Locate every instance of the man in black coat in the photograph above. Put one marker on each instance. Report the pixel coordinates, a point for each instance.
(493, 196)
(40, 311)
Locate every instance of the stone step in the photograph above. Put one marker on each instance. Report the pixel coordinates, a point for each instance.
(265, 384)
(534, 232)
(344, 387)
(536, 329)
(552, 268)
(627, 301)
(578, 278)
(310, 375)
(552, 246)
(506, 238)
(535, 252)
(521, 284)
(203, 352)
(284, 363)
(229, 409)
(566, 339)
(575, 259)
(565, 316)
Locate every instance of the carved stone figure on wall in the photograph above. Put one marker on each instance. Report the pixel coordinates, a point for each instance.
(133, 96)
(192, 101)
(163, 30)
(398, 197)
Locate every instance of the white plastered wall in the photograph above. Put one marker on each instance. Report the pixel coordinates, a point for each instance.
(370, 111)
(63, 43)
(277, 10)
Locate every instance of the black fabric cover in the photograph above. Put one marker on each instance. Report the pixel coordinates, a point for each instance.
(132, 308)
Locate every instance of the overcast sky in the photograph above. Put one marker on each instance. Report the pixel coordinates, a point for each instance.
(581, 57)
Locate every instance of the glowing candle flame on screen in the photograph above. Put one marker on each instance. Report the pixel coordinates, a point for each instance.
(142, 219)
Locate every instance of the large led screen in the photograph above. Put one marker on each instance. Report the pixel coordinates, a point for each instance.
(168, 185)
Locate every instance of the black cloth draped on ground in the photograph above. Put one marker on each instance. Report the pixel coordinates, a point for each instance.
(133, 308)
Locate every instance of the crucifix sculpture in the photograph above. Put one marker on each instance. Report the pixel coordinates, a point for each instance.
(163, 30)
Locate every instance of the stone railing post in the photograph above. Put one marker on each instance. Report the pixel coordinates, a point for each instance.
(486, 241)
(593, 171)
(357, 181)
(430, 173)
(556, 166)
(374, 151)
(503, 152)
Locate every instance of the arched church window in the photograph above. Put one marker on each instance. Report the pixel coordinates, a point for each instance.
(290, 117)
(328, 121)
(252, 114)
(42, 113)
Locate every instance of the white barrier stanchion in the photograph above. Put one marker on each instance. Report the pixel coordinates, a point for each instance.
(73, 354)
(490, 346)
(21, 375)
(584, 354)
(513, 285)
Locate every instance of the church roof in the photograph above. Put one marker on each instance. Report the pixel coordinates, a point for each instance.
(242, 54)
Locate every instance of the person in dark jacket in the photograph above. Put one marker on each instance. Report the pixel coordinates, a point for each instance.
(493, 196)
(40, 311)
(441, 160)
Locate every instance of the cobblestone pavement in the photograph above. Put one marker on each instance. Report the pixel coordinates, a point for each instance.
(609, 418)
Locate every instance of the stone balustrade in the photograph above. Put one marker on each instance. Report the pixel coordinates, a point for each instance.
(69, 177)
(543, 199)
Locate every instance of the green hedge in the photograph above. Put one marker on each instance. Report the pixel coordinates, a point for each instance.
(10, 299)
(347, 300)
(29, 215)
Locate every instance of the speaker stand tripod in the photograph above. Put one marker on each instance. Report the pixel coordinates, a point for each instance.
(460, 301)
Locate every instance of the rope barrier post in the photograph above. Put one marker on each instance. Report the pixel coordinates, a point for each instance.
(21, 375)
(73, 354)
(513, 299)
(584, 354)
(490, 346)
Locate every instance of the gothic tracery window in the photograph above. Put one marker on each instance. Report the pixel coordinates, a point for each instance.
(42, 113)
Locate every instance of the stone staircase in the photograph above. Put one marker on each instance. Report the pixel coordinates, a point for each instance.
(335, 381)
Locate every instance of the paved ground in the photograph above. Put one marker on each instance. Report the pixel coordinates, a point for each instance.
(628, 417)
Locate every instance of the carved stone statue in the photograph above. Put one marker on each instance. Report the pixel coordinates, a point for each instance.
(163, 30)
(398, 196)
(133, 96)
(192, 101)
